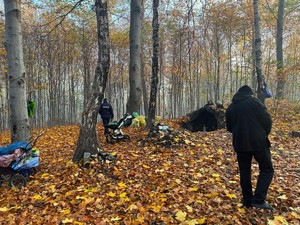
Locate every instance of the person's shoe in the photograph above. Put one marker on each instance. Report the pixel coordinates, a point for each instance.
(247, 205)
(263, 205)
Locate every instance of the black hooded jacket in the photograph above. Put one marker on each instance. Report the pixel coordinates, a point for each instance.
(248, 121)
(106, 110)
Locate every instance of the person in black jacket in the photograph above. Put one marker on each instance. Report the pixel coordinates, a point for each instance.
(250, 124)
(106, 112)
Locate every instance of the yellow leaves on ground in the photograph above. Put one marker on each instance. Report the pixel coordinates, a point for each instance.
(122, 185)
(193, 189)
(189, 208)
(38, 197)
(181, 216)
(231, 196)
(111, 194)
(187, 142)
(4, 209)
(278, 220)
(45, 175)
(215, 175)
(284, 197)
(71, 221)
(132, 207)
(178, 181)
(65, 211)
(186, 185)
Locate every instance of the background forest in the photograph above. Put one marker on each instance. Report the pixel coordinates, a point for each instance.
(206, 52)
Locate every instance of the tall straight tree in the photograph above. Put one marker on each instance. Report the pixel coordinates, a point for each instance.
(154, 78)
(279, 51)
(16, 72)
(258, 60)
(88, 138)
(135, 93)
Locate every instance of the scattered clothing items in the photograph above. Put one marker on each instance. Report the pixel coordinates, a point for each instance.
(17, 161)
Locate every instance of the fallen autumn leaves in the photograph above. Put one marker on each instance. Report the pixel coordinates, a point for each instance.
(196, 183)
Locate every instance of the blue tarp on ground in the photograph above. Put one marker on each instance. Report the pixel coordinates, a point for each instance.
(10, 148)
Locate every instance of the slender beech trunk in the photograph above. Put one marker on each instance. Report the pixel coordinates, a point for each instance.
(258, 60)
(88, 138)
(279, 52)
(154, 78)
(253, 76)
(16, 72)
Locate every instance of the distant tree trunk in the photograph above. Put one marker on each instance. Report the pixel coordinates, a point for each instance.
(154, 78)
(144, 87)
(279, 52)
(253, 61)
(258, 60)
(16, 72)
(143, 76)
(88, 138)
(134, 101)
(86, 68)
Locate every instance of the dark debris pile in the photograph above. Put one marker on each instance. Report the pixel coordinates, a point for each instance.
(162, 136)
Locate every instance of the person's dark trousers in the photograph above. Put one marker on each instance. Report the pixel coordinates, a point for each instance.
(266, 173)
(105, 123)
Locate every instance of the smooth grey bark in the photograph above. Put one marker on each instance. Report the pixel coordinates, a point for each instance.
(135, 92)
(279, 52)
(154, 77)
(143, 76)
(88, 138)
(16, 72)
(258, 60)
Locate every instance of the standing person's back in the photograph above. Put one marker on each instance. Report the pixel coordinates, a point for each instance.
(250, 124)
(106, 113)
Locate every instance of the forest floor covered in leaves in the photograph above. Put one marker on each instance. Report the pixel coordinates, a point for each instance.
(194, 181)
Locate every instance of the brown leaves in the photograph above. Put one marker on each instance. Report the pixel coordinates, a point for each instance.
(196, 183)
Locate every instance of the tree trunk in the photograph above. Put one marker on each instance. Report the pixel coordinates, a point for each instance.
(134, 101)
(88, 138)
(279, 52)
(154, 78)
(143, 76)
(258, 60)
(86, 68)
(145, 93)
(16, 72)
(253, 61)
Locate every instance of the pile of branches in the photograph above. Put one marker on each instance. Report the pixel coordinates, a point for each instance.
(162, 136)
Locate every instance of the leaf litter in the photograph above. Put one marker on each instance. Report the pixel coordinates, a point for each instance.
(192, 180)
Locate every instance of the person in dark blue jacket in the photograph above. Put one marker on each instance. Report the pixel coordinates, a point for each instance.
(250, 124)
(106, 112)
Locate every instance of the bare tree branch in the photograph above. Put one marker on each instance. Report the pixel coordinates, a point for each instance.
(292, 10)
(62, 17)
(275, 17)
